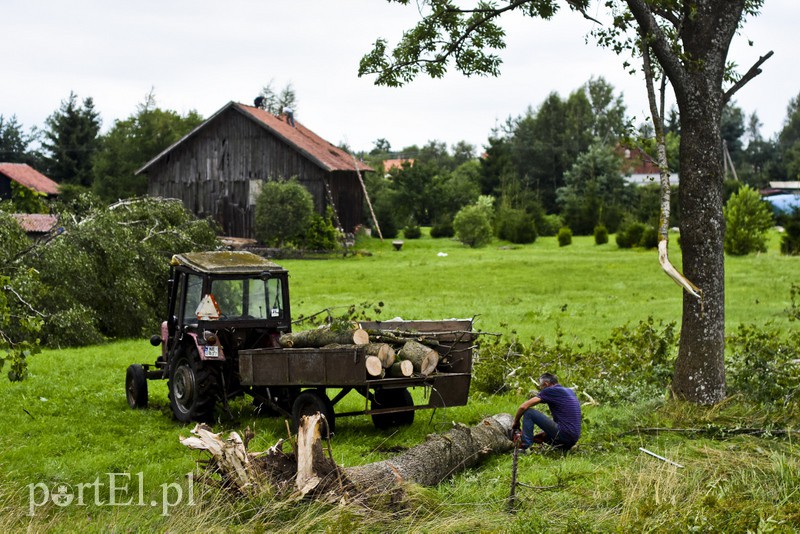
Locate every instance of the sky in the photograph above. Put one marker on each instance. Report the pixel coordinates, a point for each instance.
(199, 55)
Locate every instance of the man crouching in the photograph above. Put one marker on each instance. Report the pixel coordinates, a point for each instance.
(564, 429)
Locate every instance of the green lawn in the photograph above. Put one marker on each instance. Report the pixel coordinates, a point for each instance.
(69, 423)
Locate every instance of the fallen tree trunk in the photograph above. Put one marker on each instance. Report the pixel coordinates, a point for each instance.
(309, 471)
(324, 335)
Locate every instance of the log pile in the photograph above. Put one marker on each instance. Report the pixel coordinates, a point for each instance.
(307, 471)
(388, 354)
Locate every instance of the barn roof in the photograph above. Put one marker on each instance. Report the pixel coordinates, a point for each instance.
(29, 177)
(315, 148)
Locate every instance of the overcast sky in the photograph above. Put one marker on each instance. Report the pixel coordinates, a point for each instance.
(199, 55)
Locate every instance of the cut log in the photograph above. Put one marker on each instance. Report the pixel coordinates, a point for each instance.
(401, 369)
(374, 367)
(424, 359)
(324, 335)
(383, 351)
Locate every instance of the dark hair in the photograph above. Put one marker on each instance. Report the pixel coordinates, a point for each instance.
(550, 378)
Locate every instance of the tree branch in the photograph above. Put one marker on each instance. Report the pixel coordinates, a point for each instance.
(754, 71)
(667, 58)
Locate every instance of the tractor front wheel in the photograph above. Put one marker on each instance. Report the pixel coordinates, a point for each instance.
(136, 386)
(192, 388)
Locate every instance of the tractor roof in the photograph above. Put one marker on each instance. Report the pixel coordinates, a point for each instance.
(225, 262)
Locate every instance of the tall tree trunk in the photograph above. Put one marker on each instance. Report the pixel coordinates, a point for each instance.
(708, 28)
(700, 367)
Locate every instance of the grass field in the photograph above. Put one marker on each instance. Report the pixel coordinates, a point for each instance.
(69, 424)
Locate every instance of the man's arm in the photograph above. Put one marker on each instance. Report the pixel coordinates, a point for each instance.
(522, 408)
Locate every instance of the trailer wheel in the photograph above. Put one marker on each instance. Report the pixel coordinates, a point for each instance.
(310, 402)
(136, 386)
(191, 388)
(392, 398)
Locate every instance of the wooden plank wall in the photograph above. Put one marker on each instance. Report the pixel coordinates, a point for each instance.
(211, 174)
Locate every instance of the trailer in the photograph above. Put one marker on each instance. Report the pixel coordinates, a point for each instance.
(227, 312)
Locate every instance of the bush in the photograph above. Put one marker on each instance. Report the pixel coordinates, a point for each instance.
(763, 365)
(472, 226)
(630, 235)
(283, 212)
(747, 218)
(600, 235)
(412, 231)
(443, 228)
(548, 225)
(564, 236)
(790, 242)
(633, 364)
(320, 234)
(649, 238)
(516, 226)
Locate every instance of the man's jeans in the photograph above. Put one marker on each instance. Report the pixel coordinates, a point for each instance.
(535, 417)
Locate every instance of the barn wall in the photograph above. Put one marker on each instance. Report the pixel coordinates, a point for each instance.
(214, 172)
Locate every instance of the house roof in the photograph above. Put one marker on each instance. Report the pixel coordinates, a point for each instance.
(314, 147)
(29, 177)
(35, 223)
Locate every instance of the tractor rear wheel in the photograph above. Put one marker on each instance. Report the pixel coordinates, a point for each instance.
(192, 388)
(136, 386)
(392, 398)
(310, 402)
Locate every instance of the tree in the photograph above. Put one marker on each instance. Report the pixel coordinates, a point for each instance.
(594, 192)
(789, 139)
(747, 218)
(71, 140)
(133, 142)
(275, 100)
(283, 211)
(15, 143)
(689, 40)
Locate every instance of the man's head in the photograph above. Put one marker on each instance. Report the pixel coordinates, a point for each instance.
(547, 379)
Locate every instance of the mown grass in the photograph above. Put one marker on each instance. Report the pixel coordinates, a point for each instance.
(69, 422)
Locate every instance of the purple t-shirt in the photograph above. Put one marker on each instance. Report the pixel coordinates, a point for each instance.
(566, 410)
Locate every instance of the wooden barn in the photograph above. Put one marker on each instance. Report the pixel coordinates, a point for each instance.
(217, 169)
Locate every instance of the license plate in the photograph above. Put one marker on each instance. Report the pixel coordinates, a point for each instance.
(212, 351)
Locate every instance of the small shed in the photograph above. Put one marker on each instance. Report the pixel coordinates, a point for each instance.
(217, 170)
(27, 176)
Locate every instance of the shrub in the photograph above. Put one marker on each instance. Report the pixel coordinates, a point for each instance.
(548, 225)
(412, 231)
(630, 235)
(649, 238)
(320, 234)
(762, 365)
(633, 364)
(747, 219)
(564, 236)
(472, 226)
(790, 242)
(600, 235)
(516, 226)
(283, 212)
(443, 228)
